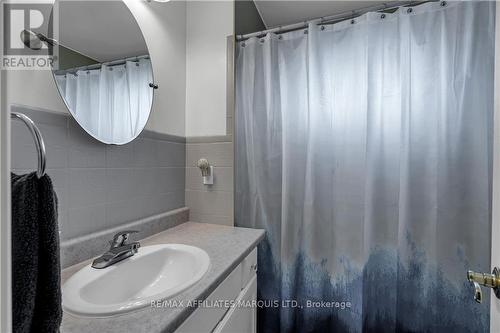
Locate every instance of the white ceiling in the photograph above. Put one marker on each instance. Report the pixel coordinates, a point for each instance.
(102, 30)
(281, 12)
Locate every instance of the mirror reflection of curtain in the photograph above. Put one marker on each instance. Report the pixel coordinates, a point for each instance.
(365, 152)
(113, 102)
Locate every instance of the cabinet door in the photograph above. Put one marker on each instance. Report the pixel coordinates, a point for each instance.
(241, 319)
(248, 268)
(203, 320)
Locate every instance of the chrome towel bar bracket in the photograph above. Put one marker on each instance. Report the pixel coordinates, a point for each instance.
(37, 136)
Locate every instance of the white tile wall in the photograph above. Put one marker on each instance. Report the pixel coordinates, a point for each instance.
(210, 203)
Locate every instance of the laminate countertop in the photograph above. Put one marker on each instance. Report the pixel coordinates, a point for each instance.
(226, 246)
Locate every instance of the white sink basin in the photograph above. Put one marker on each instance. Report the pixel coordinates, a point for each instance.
(156, 272)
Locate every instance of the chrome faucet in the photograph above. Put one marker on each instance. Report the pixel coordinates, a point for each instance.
(118, 251)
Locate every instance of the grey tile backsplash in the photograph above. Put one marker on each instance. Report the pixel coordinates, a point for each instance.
(102, 186)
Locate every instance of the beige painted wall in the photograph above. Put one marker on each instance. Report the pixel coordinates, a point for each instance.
(208, 25)
(5, 214)
(164, 28)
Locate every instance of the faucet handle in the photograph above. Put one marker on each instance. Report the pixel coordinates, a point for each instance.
(121, 237)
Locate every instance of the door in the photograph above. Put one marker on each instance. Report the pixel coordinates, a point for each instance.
(495, 225)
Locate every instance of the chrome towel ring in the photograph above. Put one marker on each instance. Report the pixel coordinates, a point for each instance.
(37, 136)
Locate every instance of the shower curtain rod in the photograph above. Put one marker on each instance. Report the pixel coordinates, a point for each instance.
(332, 18)
(96, 66)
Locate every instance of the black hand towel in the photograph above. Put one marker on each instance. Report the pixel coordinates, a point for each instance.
(36, 276)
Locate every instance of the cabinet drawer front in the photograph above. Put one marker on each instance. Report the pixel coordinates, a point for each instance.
(203, 320)
(248, 268)
(241, 319)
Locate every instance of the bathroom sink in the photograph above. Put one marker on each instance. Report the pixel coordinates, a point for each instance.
(156, 272)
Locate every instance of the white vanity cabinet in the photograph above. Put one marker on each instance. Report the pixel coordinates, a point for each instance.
(241, 319)
(219, 315)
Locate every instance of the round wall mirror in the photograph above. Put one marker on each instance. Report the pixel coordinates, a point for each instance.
(103, 69)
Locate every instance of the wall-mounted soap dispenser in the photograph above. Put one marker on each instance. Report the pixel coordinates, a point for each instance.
(207, 171)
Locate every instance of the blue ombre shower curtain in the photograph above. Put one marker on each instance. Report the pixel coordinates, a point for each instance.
(364, 149)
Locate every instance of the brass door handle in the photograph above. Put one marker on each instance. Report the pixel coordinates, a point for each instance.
(486, 280)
